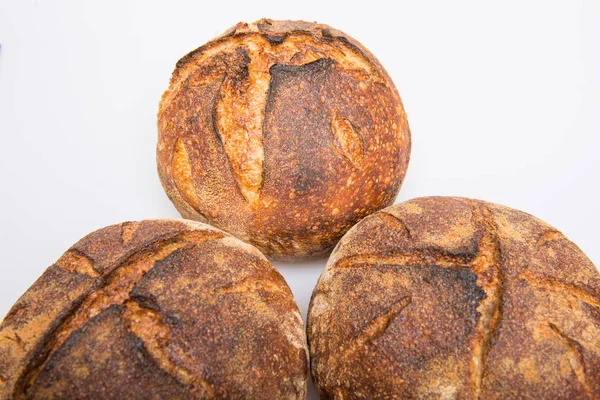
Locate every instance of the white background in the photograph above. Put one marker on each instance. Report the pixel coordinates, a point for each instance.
(503, 102)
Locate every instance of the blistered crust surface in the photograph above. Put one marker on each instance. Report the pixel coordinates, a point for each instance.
(455, 298)
(172, 309)
(284, 133)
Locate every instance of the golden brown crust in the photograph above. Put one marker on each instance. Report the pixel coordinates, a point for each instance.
(173, 309)
(284, 133)
(443, 297)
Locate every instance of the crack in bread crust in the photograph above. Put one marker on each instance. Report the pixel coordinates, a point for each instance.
(348, 137)
(575, 358)
(374, 329)
(128, 230)
(487, 265)
(239, 120)
(251, 285)
(568, 291)
(547, 237)
(391, 220)
(427, 256)
(74, 260)
(379, 324)
(17, 339)
(113, 288)
(182, 176)
(146, 324)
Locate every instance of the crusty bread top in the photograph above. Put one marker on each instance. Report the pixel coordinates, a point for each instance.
(284, 133)
(174, 308)
(442, 297)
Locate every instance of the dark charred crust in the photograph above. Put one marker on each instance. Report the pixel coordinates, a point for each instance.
(109, 381)
(41, 351)
(275, 39)
(264, 24)
(314, 67)
(356, 49)
(145, 300)
(305, 179)
(241, 69)
(172, 319)
(326, 32)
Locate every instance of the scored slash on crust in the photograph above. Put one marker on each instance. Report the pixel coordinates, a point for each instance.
(488, 266)
(567, 291)
(374, 329)
(147, 325)
(75, 261)
(241, 103)
(393, 220)
(114, 288)
(379, 324)
(251, 285)
(547, 237)
(575, 358)
(141, 315)
(127, 231)
(17, 339)
(182, 174)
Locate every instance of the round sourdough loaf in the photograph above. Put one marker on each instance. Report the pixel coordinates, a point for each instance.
(159, 309)
(457, 299)
(283, 133)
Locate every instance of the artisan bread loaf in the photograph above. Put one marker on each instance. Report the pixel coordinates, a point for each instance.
(283, 133)
(159, 309)
(457, 299)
